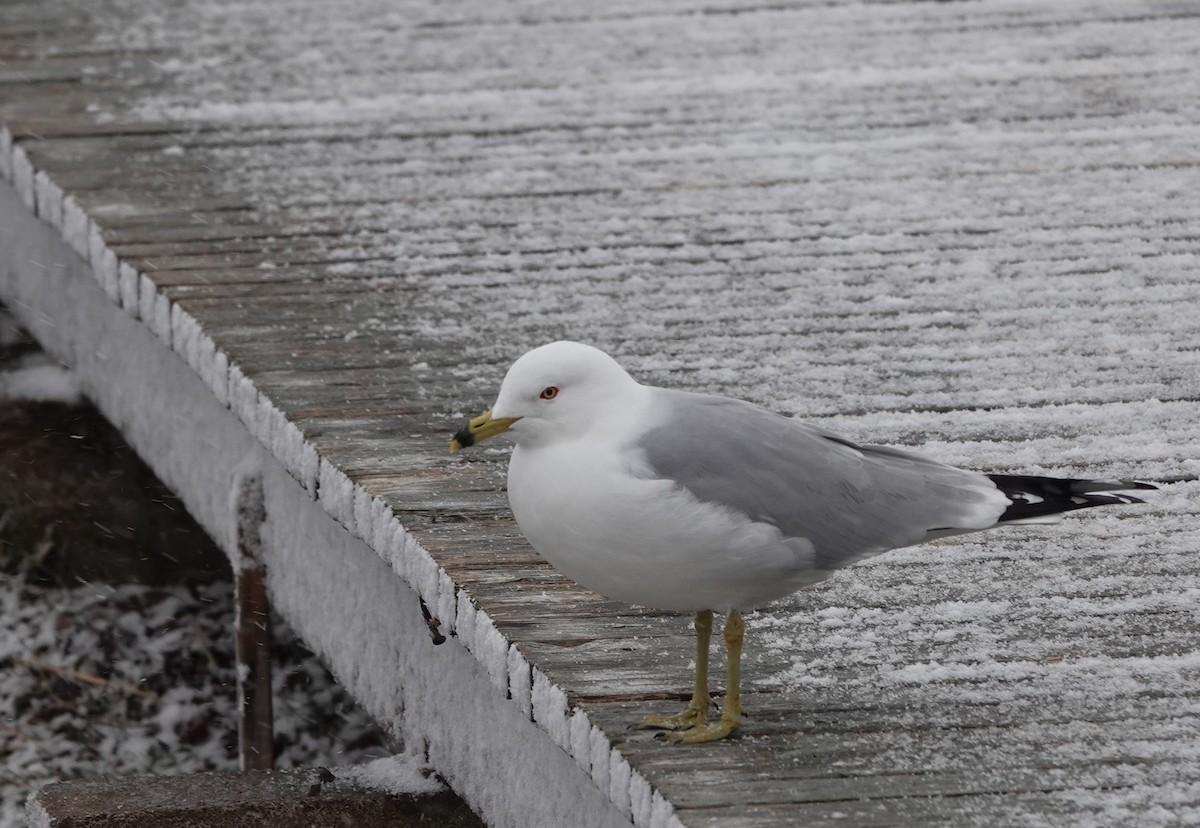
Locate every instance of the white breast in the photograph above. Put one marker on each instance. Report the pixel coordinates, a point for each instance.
(593, 511)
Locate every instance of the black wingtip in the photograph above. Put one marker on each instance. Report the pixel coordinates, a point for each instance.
(1034, 497)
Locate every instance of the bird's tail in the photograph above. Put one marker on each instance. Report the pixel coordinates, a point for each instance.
(1041, 499)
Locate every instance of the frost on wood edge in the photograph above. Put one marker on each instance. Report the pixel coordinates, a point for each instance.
(361, 514)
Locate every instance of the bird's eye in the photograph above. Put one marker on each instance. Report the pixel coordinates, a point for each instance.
(549, 393)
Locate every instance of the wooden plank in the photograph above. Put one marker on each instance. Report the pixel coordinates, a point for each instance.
(893, 217)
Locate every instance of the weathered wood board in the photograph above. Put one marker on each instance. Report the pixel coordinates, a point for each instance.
(970, 225)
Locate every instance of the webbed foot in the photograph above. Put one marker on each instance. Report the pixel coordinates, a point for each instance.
(706, 732)
(692, 716)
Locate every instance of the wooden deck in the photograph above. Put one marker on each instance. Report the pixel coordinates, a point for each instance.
(965, 224)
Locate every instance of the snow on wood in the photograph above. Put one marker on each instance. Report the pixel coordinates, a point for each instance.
(963, 226)
(363, 621)
(492, 648)
(77, 227)
(520, 682)
(550, 709)
(22, 177)
(335, 492)
(6, 153)
(129, 280)
(49, 197)
(581, 742)
(402, 774)
(104, 263)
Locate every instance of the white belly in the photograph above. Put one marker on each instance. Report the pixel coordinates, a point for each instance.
(646, 541)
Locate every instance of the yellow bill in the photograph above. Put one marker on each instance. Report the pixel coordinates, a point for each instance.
(480, 429)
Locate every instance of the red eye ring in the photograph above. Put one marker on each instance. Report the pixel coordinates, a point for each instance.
(549, 393)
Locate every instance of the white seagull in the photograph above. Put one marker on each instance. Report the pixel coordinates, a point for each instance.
(697, 503)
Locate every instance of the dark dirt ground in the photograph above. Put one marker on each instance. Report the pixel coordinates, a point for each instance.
(77, 498)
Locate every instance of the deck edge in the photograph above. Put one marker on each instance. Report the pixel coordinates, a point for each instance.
(362, 515)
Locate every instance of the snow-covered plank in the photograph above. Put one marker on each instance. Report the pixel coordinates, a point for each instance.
(345, 596)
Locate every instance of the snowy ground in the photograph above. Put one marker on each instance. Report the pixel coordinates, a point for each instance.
(101, 679)
(1068, 652)
(97, 679)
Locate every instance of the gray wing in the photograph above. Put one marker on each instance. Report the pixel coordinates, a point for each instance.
(848, 500)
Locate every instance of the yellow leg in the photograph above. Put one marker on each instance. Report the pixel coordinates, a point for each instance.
(697, 710)
(731, 717)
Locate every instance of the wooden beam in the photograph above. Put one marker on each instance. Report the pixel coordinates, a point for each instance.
(256, 729)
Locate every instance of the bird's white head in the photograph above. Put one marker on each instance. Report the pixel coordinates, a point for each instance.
(557, 391)
(560, 390)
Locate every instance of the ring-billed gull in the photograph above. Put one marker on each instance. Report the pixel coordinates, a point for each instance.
(691, 502)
